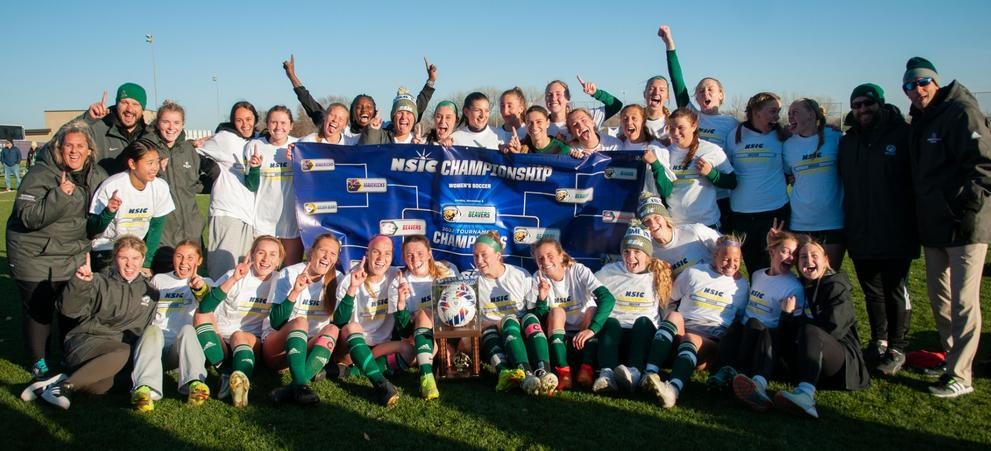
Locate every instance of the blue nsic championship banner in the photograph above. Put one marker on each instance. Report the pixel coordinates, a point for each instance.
(452, 195)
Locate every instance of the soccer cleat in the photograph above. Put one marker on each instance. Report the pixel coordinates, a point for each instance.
(225, 386)
(58, 395)
(651, 383)
(532, 385)
(428, 387)
(141, 399)
(586, 376)
(606, 382)
(796, 402)
(549, 383)
(563, 378)
(667, 394)
(721, 379)
(304, 395)
(751, 394)
(388, 394)
(239, 387)
(33, 391)
(891, 363)
(509, 379)
(198, 393)
(948, 387)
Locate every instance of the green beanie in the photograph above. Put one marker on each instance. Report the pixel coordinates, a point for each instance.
(404, 102)
(132, 91)
(637, 237)
(651, 205)
(918, 66)
(869, 90)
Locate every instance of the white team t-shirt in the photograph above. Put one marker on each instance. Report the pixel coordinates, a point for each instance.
(505, 136)
(634, 293)
(137, 207)
(246, 306)
(658, 127)
(709, 301)
(176, 304)
(606, 143)
(573, 293)
(760, 173)
(766, 295)
(503, 296)
(716, 128)
(229, 196)
(308, 305)
(690, 245)
(487, 138)
(420, 287)
(372, 309)
(345, 140)
(561, 128)
(693, 196)
(817, 195)
(275, 200)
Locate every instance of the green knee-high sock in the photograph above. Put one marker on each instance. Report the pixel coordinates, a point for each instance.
(559, 348)
(296, 356)
(513, 342)
(319, 355)
(423, 340)
(610, 336)
(491, 349)
(361, 355)
(640, 337)
(244, 360)
(210, 341)
(536, 341)
(660, 346)
(684, 364)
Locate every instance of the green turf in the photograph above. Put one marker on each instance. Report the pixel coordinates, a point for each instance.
(895, 414)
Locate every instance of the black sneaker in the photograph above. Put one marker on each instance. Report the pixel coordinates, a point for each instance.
(281, 395)
(388, 394)
(58, 394)
(891, 363)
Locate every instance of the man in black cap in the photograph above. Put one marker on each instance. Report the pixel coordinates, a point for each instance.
(950, 150)
(878, 219)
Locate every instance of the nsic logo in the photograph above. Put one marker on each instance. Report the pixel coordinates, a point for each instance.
(469, 214)
(530, 235)
(613, 216)
(323, 164)
(573, 196)
(316, 208)
(356, 185)
(621, 173)
(402, 227)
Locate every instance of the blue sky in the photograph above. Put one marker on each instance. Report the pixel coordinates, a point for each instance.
(63, 55)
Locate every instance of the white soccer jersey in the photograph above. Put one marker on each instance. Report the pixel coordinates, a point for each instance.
(766, 295)
(690, 245)
(693, 196)
(345, 139)
(176, 304)
(371, 307)
(606, 143)
(275, 200)
(817, 195)
(229, 196)
(716, 128)
(658, 127)
(505, 295)
(634, 293)
(420, 287)
(137, 207)
(308, 305)
(246, 306)
(760, 173)
(486, 139)
(709, 301)
(573, 293)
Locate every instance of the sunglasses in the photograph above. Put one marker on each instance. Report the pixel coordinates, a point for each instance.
(863, 103)
(924, 81)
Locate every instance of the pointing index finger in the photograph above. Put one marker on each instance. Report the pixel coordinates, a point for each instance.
(426, 62)
(580, 80)
(103, 100)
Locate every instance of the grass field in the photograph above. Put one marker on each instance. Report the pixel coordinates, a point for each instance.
(891, 414)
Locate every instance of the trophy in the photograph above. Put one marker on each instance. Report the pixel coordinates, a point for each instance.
(455, 313)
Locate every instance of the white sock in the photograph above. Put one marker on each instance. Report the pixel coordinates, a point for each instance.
(761, 382)
(651, 368)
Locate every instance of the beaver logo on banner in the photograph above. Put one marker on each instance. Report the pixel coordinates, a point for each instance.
(452, 195)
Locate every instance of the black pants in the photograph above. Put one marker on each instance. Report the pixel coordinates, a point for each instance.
(725, 215)
(749, 348)
(885, 285)
(753, 227)
(37, 311)
(821, 358)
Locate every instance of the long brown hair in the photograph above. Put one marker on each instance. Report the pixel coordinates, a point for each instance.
(814, 107)
(518, 92)
(436, 270)
(566, 259)
(685, 112)
(644, 133)
(329, 295)
(662, 280)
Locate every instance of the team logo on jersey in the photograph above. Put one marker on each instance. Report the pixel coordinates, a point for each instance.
(621, 173)
(573, 196)
(934, 138)
(890, 150)
(469, 214)
(530, 235)
(323, 164)
(402, 227)
(316, 208)
(356, 185)
(617, 217)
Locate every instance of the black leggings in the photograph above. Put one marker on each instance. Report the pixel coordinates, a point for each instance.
(96, 375)
(37, 311)
(820, 356)
(885, 284)
(749, 348)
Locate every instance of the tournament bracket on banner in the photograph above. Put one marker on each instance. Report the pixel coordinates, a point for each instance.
(452, 195)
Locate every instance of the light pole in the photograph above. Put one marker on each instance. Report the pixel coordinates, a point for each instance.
(216, 84)
(154, 71)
